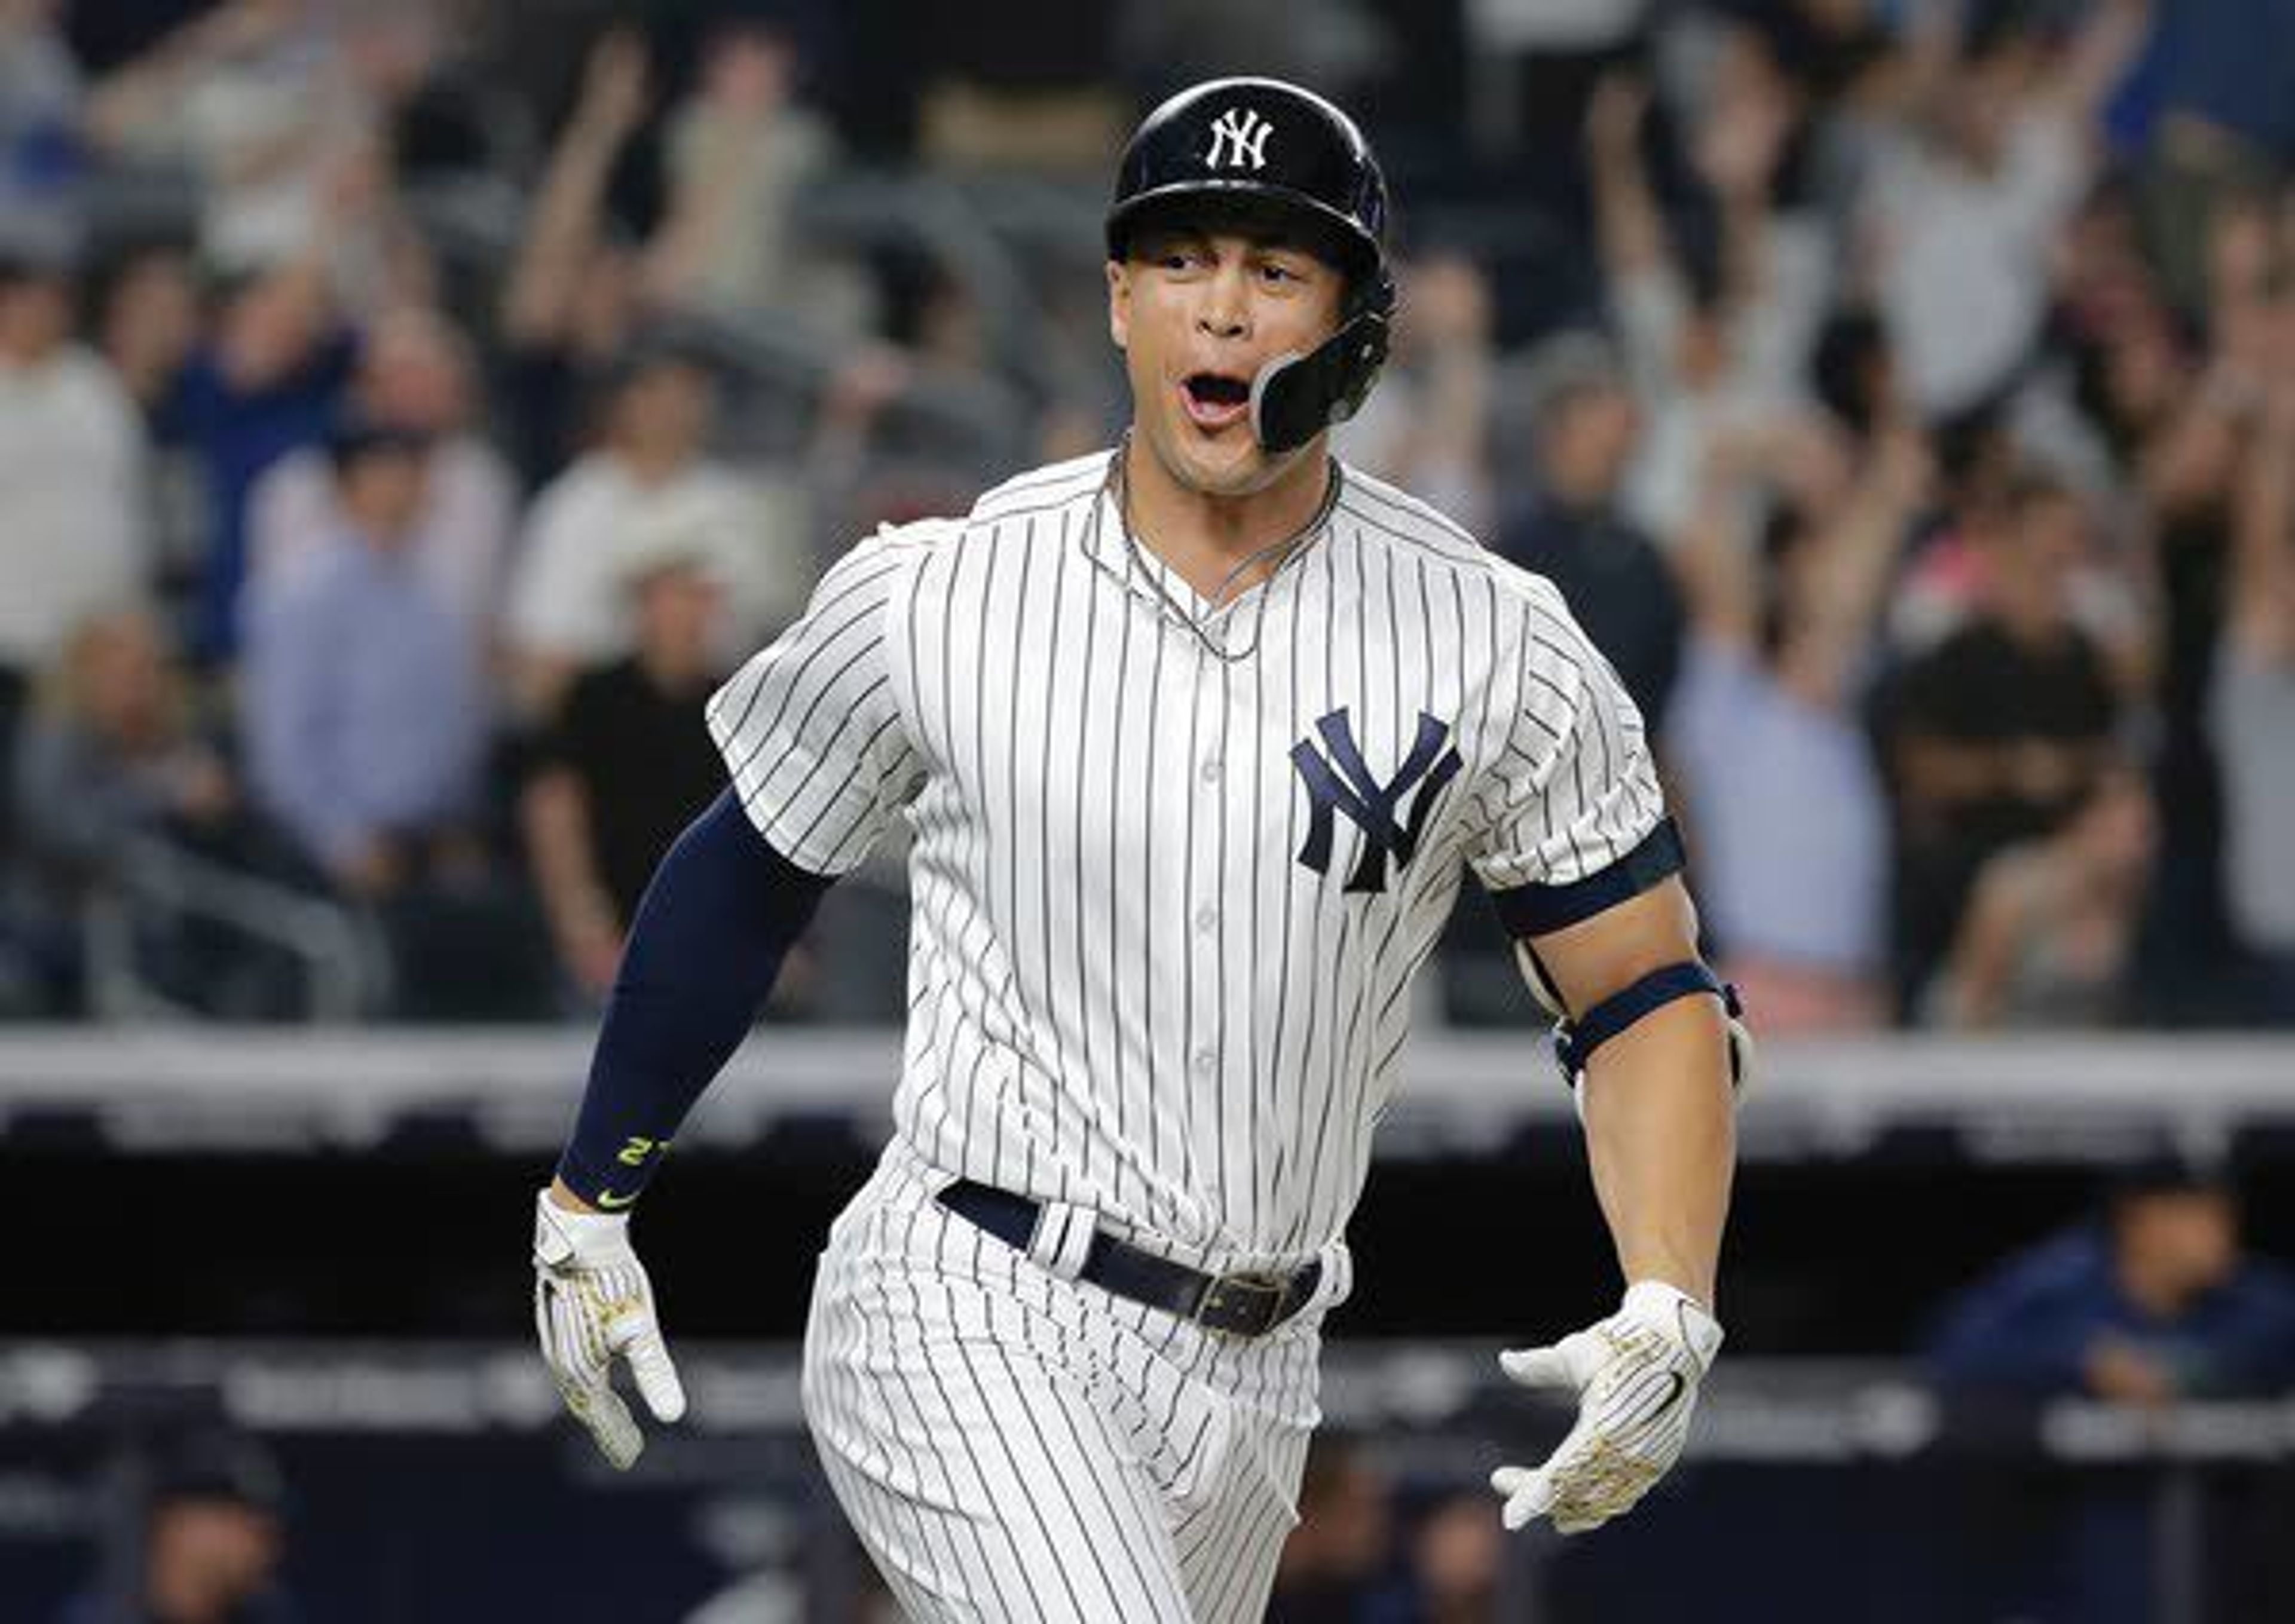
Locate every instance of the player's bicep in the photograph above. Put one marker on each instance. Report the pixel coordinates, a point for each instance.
(1588, 961)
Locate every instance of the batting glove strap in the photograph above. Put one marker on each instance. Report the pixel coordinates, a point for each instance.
(592, 1302)
(564, 1238)
(1635, 1376)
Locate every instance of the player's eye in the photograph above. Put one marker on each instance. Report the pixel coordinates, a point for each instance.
(1278, 275)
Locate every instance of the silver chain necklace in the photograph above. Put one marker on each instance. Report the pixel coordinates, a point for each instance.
(1118, 489)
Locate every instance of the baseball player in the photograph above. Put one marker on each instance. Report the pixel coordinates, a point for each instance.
(1196, 739)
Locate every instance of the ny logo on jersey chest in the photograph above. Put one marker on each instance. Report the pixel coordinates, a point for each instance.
(1340, 781)
(1239, 139)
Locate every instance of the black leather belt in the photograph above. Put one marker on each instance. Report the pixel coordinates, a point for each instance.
(1241, 1305)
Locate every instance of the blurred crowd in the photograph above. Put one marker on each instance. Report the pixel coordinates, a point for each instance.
(408, 411)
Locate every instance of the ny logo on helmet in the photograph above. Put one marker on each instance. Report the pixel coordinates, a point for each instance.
(1238, 137)
(1341, 782)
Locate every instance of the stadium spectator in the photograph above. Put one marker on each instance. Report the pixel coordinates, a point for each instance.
(112, 754)
(367, 718)
(627, 761)
(74, 535)
(1456, 1573)
(565, 604)
(2219, 119)
(2154, 1302)
(1783, 798)
(741, 151)
(283, 114)
(415, 373)
(2000, 731)
(1570, 529)
(365, 707)
(2116, 366)
(1962, 207)
(148, 320)
(1724, 352)
(2050, 930)
(42, 170)
(2251, 705)
(2150, 1303)
(147, 323)
(214, 1542)
(1426, 428)
(571, 303)
(267, 382)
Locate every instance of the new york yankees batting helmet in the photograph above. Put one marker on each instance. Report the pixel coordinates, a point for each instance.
(1262, 148)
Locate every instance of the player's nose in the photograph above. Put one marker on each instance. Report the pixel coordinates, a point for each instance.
(1224, 311)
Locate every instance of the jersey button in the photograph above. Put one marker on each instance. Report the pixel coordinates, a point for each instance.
(1205, 1061)
(1211, 770)
(1207, 919)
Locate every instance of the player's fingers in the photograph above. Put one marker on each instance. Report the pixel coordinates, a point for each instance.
(657, 1376)
(1559, 1365)
(1569, 1456)
(1535, 1366)
(1528, 1494)
(600, 1408)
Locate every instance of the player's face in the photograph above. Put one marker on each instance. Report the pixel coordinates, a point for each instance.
(1196, 315)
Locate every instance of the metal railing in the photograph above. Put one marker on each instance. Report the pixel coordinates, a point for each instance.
(343, 965)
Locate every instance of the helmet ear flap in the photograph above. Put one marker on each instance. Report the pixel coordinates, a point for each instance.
(1295, 398)
(1379, 299)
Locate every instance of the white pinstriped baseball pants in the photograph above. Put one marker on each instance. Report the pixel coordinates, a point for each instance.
(1013, 1446)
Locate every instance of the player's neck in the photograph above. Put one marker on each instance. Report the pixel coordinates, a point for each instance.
(1204, 537)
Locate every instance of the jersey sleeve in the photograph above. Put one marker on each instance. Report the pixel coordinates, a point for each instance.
(1577, 818)
(811, 727)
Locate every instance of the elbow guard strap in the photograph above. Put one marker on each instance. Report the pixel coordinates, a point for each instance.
(1575, 1042)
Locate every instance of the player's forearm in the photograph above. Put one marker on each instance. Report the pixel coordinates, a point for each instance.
(1661, 1134)
(723, 910)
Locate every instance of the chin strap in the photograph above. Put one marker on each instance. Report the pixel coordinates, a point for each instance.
(1295, 398)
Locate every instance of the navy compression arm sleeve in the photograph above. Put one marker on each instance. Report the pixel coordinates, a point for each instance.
(721, 910)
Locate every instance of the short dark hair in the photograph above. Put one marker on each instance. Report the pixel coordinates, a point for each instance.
(21, 262)
(2166, 1172)
(656, 352)
(219, 1468)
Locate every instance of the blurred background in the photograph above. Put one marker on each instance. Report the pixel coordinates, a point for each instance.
(408, 411)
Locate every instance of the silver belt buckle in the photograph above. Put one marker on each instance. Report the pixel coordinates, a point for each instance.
(1224, 1291)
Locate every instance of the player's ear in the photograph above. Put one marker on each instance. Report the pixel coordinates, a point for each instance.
(1119, 303)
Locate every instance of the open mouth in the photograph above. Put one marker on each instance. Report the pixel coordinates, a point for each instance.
(1215, 399)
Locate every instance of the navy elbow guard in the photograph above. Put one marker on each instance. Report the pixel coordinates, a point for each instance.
(1575, 1041)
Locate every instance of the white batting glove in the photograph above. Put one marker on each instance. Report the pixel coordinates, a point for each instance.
(1635, 1376)
(591, 1300)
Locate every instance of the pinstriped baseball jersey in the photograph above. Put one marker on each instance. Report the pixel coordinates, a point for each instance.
(1175, 863)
